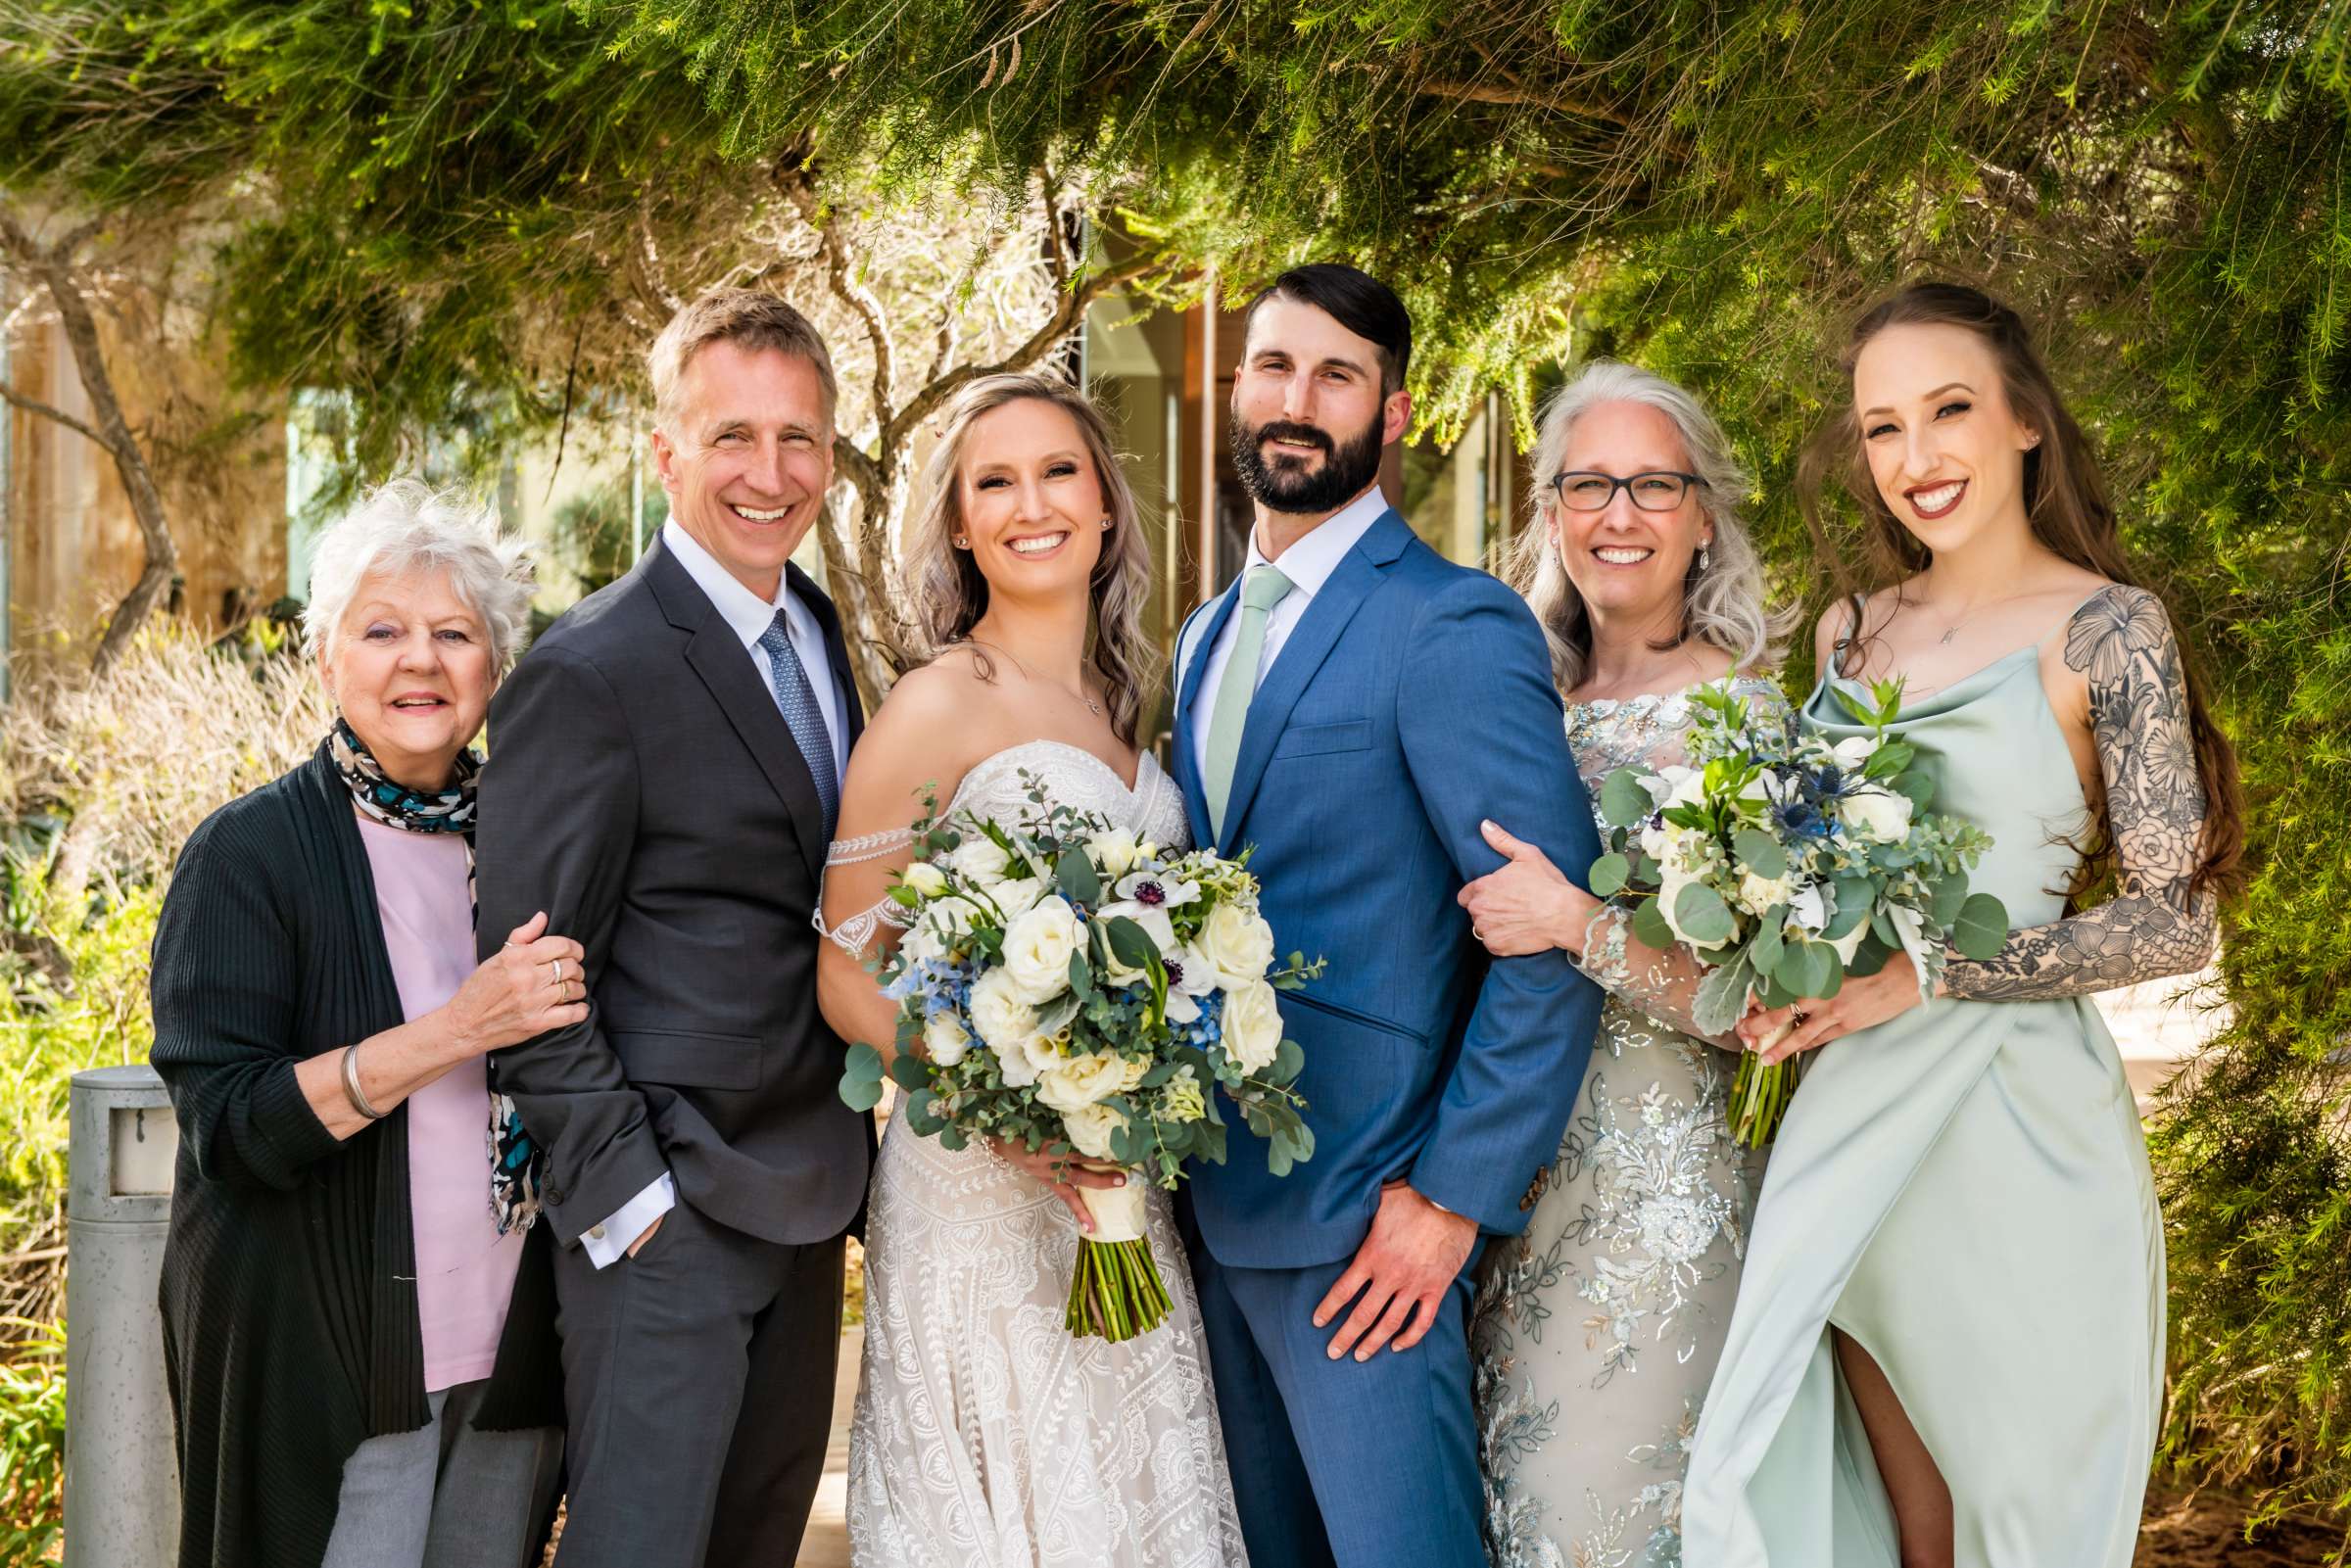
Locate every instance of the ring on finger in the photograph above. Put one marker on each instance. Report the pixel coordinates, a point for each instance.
(557, 965)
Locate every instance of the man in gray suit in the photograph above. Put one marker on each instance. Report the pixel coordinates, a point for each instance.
(666, 771)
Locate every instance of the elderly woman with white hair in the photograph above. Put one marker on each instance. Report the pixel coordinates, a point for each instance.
(360, 1342)
(1596, 1332)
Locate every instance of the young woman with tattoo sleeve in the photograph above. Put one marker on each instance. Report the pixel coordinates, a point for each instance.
(1949, 1341)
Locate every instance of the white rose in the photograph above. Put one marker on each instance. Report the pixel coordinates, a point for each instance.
(1851, 942)
(1252, 1026)
(1022, 1061)
(1877, 815)
(925, 878)
(1088, 1129)
(1689, 787)
(1114, 852)
(1757, 894)
(1037, 949)
(1672, 878)
(980, 860)
(1000, 1014)
(1087, 1079)
(1238, 943)
(948, 920)
(1016, 896)
(944, 1038)
(1653, 839)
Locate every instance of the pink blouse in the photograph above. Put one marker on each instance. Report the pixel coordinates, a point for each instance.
(464, 1269)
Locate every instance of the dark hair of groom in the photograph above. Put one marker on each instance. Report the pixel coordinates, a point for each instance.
(1358, 302)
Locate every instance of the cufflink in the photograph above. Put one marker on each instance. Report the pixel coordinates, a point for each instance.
(595, 1233)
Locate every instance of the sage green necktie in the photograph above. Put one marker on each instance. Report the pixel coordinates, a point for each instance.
(1262, 589)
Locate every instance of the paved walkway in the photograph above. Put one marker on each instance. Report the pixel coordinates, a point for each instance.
(827, 1543)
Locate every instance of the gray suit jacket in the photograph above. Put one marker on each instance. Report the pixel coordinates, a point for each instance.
(644, 791)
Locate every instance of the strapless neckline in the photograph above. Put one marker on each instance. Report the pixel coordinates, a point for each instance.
(1145, 764)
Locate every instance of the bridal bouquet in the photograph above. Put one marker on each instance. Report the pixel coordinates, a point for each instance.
(1066, 987)
(1785, 863)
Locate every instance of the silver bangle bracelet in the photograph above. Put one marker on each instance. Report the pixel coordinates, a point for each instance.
(350, 1086)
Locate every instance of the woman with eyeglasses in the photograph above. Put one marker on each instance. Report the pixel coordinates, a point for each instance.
(1597, 1330)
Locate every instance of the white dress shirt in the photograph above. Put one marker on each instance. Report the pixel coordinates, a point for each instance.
(750, 616)
(1308, 564)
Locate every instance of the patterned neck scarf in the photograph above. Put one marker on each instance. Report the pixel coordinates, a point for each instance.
(395, 804)
(516, 1163)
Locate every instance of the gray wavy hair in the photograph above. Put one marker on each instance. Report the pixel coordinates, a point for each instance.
(409, 526)
(953, 595)
(1724, 604)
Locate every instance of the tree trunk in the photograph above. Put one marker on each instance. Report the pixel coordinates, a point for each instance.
(53, 267)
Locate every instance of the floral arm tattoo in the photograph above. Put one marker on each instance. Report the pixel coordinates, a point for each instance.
(2156, 925)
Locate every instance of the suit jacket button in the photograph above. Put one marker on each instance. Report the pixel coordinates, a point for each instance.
(555, 1195)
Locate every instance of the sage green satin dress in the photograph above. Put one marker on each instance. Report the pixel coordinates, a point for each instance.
(1964, 1190)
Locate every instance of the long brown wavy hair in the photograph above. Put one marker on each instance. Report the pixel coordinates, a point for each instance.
(947, 584)
(2065, 500)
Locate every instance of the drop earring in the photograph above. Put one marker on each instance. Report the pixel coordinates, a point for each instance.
(1705, 556)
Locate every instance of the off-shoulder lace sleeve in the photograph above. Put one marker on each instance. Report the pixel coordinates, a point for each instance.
(855, 935)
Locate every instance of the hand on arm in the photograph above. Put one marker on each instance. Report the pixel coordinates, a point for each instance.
(512, 995)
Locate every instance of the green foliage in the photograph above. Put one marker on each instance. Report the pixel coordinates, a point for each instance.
(32, 1444)
(447, 208)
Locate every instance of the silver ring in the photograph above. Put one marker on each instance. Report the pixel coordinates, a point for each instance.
(1476, 933)
(557, 965)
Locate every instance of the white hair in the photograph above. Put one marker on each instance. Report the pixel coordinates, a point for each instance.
(1724, 603)
(408, 526)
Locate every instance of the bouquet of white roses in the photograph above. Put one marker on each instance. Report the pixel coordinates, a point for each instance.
(1786, 862)
(1066, 987)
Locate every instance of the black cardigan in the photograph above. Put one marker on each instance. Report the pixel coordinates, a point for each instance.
(289, 1292)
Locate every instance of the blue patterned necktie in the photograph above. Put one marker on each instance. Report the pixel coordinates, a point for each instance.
(802, 716)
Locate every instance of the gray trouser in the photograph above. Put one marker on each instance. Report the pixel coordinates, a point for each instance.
(444, 1496)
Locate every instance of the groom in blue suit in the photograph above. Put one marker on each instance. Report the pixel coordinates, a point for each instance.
(1355, 707)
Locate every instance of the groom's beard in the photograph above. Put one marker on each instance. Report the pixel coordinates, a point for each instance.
(1285, 484)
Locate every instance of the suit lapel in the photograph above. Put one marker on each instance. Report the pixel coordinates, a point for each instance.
(1309, 642)
(730, 672)
(1187, 691)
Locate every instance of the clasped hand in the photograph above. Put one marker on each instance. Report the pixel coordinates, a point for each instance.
(1862, 1001)
(1527, 905)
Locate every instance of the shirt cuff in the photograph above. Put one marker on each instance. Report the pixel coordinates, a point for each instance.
(609, 1242)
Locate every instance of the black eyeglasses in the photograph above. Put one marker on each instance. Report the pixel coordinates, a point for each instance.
(1654, 490)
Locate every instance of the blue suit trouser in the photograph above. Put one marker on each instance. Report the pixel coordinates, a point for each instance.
(1346, 1463)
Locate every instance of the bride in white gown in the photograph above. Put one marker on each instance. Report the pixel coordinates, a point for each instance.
(984, 1436)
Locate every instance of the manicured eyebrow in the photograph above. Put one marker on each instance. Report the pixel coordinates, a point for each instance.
(1948, 386)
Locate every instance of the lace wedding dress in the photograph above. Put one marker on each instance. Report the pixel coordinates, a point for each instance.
(984, 1436)
(1596, 1331)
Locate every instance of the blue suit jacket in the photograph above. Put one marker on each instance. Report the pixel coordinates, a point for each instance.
(1411, 701)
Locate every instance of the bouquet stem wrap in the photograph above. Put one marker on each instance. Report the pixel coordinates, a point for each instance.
(1115, 1291)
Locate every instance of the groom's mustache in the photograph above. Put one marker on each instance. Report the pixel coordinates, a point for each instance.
(1284, 430)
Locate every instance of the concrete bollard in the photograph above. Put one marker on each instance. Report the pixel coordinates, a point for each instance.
(121, 1474)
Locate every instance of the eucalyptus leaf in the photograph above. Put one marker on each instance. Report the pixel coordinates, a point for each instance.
(1764, 948)
(1648, 925)
(860, 1094)
(909, 1072)
(1623, 799)
(1758, 852)
(1982, 929)
(1804, 967)
(1700, 911)
(862, 1062)
(1610, 873)
(1077, 879)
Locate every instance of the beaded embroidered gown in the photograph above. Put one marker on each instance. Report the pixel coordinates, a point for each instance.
(985, 1436)
(1595, 1331)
